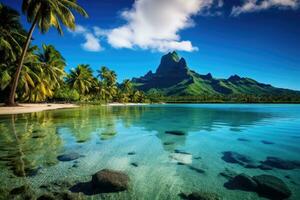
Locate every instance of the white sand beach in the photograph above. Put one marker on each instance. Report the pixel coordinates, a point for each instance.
(36, 107)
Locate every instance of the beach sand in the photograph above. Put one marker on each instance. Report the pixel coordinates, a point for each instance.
(36, 107)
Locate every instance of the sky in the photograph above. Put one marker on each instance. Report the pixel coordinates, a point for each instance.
(259, 39)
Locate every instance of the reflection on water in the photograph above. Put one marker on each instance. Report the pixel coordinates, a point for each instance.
(161, 165)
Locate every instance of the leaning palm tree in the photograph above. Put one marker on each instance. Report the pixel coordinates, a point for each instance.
(44, 14)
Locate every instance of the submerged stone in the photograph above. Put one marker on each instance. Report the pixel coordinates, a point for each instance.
(241, 182)
(234, 157)
(271, 187)
(200, 196)
(243, 140)
(280, 163)
(68, 157)
(267, 142)
(182, 152)
(174, 132)
(228, 174)
(110, 180)
(134, 164)
(131, 153)
(198, 170)
(168, 143)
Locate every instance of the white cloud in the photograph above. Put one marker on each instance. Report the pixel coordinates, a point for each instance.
(155, 24)
(92, 43)
(255, 6)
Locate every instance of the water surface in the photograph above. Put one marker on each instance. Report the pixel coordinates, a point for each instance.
(103, 136)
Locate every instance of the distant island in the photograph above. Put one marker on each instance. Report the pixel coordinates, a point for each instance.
(174, 81)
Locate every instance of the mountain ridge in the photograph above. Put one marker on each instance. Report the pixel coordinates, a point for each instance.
(173, 77)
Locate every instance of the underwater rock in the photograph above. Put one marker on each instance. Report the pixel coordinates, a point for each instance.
(200, 196)
(228, 174)
(47, 197)
(243, 140)
(265, 167)
(271, 187)
(234, 157)
(197, 157)
(20, 190)
(182, 152)
(110, 180)
(241, 182)
(280, 163)
(68, 157)
(168, 143)
(81, 141)
(267, 186)
(131, 153)
(198, 170)
(134, 164)
(267, 142)
(173, 132)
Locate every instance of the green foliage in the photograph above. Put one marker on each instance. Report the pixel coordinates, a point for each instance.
(66, 94)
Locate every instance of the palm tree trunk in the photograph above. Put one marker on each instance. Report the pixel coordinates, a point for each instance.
(11, 97)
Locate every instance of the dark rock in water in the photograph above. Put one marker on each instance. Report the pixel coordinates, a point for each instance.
(75, 165)
(182, 152)
(243, 140)
(267, 142)
(181, 163)
(228, 174)
(179, 133)
(47, 197)
(198, 170)
(110, 181)
(287, 176)
(168, 143)
(234, 157)
(134, 164)
(280, 163)
(81, 141)
(251, 166)
(68, 157)
(241, 182)
(131, 153)
(200, 196)
(197, 157)
(265, 167)
(20, 190)
(271, 187)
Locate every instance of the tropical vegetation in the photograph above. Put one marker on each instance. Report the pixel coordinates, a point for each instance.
(39, 72)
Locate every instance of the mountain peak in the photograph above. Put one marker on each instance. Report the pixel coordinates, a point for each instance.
(234, 78)
(171, 63)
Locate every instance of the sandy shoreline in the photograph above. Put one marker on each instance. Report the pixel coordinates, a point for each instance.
(36, 107)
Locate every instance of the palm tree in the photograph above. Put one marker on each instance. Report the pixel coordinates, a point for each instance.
(11, 32)
(81, 78)
(52, 64)
(44, 14)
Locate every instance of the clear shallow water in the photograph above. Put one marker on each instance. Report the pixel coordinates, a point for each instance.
(30, 144)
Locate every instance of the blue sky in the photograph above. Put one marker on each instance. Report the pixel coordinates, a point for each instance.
(252, 38)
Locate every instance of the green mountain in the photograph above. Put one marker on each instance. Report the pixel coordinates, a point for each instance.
(173, 77)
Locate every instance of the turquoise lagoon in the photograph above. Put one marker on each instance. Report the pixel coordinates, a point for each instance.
(103, 136)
